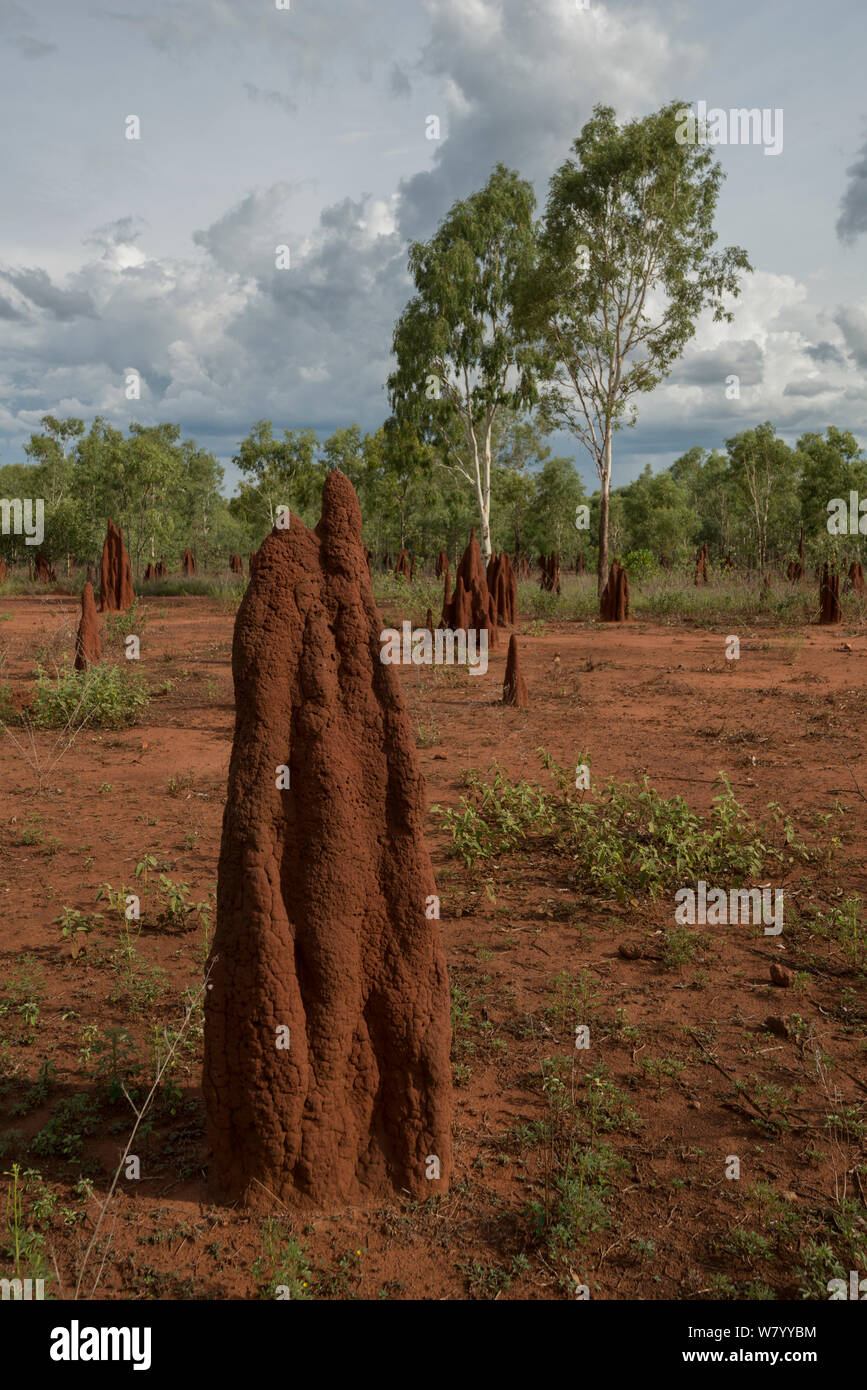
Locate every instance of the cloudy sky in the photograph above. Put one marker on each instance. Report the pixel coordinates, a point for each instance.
(306, 127)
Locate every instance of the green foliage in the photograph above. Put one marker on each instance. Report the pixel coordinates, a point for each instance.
(105, 697)
(622, 841)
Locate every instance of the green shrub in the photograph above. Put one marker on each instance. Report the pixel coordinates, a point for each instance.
(106, 697)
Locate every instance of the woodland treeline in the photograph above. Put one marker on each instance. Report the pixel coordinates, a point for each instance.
(746, 499)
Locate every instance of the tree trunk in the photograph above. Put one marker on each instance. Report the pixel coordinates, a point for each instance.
(602, 562)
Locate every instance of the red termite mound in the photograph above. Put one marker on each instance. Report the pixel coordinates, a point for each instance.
(614, 603)
(447, 600)
(88, 648)
(503, 588)
(2, 569)
(402, 566)
(429, 622)
(188, 564)
(514, 685)
(550, 576)
(580, 566)
(235, 564)
(160, 570)
(42, 569)
(115, 573)
(442, 564)
(855, 580)
(150, 572)
(701, 565)
(830, 610)
(253, 558)
(472, 606)
(327, 1076)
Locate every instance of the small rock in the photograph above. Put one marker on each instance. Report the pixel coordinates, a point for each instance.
(780, 975)
(629, 950)
(778, 1026)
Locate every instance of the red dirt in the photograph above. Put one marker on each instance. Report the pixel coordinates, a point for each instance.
(782, 723)
(115, 584)
(88, 648)
(322, 894)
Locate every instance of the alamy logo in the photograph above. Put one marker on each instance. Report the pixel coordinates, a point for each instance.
(715, 907)
(847, 521)
(741, 125)
(76, 1343)
(857, 1288)
(17, 518)
(21, 1290)
(420, 647)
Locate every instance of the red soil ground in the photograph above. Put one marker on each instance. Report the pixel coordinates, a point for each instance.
(641, 700)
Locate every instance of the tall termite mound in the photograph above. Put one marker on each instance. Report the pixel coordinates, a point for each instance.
(514, 685)
(188, 564)
(855, 579)
(161, 569)
(447, 600)
(442, 564)
(701, 564)
(830, 609)
(42, 569)
(150, 572)
(115, 573)
(235, 564)
(327, 1075)
(550, 576)
(503, 588)
(402, 566)
(471, 606)
(88, 648)
(2, 569)
(614, 603)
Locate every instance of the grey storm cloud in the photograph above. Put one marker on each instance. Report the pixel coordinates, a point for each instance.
(271, 98)
(809, 387)
(36, 286)
(399, 84)
(853, 205)
(17, 28)
(710, 368)
(520, 78)
(123, 231)
(826, 352)
(853, 325)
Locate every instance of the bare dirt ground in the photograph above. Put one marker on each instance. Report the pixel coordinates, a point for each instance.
(683, 1072)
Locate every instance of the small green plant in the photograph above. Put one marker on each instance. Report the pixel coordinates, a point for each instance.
(282, 1270)
(105, 696)
(73, 923)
